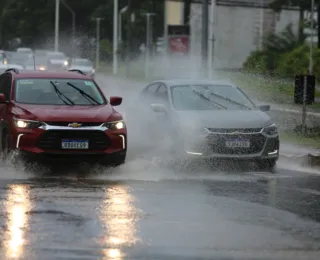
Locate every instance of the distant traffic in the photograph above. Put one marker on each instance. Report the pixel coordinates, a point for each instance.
(40, 59)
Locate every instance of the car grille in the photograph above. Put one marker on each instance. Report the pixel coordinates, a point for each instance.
(216, 143)
(51, 139)
(232, 130)
(83, 124)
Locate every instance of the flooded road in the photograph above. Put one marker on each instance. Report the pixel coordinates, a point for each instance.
(158, 214)
(150, 209)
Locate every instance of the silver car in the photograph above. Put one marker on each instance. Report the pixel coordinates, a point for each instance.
(209, 119)
(84, 65)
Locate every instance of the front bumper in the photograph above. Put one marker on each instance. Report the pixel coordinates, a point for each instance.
(214, 146)
(47, 141)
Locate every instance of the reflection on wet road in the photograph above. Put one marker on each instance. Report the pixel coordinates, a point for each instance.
(144, 215)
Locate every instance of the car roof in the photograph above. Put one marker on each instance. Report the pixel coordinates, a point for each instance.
(50, 74)
(174, 82)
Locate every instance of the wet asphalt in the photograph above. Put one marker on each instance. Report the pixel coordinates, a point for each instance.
(150, 209)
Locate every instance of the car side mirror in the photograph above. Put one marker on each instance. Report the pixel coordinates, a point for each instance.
(264, 108)
(115, 101)
(158, 108)
(3, 99)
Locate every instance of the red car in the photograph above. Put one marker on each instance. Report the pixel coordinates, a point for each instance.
(60, 115)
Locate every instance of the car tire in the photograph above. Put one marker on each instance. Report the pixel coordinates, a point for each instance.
(267, 165)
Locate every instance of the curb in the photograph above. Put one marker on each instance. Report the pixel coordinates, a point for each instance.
(307, 160)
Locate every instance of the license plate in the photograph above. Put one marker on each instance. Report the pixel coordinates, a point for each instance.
(75, 144)
(238, 144)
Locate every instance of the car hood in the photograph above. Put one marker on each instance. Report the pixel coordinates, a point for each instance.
(224, 119)
(47, 113)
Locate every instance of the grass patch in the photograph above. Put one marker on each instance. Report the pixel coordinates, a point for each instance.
(310, 139)
(266, 88)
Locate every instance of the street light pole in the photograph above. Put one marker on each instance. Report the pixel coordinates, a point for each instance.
(123, 10)
(304, 106)
(73, 25)
(56, 29)
(211, 42)
(148, 43)
(115, 36)
(98, 19)
(205, 23)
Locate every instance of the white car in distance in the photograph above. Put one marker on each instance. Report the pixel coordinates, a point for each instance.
(84, 65)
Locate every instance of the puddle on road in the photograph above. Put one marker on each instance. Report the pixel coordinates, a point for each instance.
(153, 169)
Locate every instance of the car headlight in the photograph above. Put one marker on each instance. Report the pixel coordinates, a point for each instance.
(66, 63)
(115, 125)
(42, 68)
(270, 130)
(27, 124)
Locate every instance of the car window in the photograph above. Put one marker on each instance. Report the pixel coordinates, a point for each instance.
(162, 93)
(58, 92)
(5, 85)
(153, 87)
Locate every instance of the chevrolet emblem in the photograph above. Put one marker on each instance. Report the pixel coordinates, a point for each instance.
(74, 125)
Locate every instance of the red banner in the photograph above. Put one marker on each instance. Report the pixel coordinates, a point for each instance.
(179, 44)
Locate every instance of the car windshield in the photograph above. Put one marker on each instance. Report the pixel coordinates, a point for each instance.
(209, 97)
(85, 63)
(58, 92)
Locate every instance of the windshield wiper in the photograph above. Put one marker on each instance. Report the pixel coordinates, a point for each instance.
(208, 99)
(60, 95)
(230, 100)
(83, 93)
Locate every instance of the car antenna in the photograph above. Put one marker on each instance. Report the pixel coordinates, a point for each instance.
(34, 62)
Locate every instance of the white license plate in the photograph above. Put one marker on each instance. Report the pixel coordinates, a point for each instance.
(75, 144)
(238, 144)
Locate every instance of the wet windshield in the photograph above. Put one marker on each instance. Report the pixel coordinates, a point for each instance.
(58, 92)
(209, 97)
(85, 63)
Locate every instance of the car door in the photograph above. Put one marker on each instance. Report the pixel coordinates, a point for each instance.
(161, 121)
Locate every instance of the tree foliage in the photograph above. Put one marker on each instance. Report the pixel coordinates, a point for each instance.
(34, 21)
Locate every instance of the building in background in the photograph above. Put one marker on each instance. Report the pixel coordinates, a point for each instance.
(239, 27)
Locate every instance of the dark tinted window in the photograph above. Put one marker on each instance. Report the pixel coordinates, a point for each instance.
(153, 87)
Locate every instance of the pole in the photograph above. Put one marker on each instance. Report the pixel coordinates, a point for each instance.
(304, 106)
(165, 38)
(129, 36)
(115, 36)
(311, 38)
(56, 29)
(148, 43)
(261, 29)
(123, 10)
(73, 25)
(211, 43)
(73, 33)
(98, 43)
(205, 21)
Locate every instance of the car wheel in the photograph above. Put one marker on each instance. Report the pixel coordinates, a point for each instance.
(267, 165)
